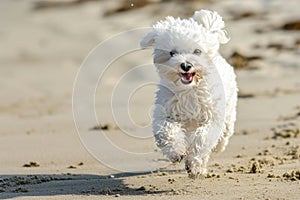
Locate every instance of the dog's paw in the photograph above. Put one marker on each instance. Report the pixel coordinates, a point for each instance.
(176, 157)
(195, 169)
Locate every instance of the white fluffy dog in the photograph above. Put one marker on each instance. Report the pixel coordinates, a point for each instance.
(196, 100)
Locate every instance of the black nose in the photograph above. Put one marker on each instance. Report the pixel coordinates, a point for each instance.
(186, 66)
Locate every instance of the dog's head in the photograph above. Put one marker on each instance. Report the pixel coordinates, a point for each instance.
(184, 48)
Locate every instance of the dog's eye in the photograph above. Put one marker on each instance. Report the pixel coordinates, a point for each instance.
(173, 53)
(197, 51)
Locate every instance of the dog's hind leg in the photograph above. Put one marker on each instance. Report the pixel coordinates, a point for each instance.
(222, 144)
(228, 132)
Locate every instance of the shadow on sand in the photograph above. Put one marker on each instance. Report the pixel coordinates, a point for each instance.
(71, 184)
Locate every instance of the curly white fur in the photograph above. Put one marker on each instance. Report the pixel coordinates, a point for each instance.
(195, 108)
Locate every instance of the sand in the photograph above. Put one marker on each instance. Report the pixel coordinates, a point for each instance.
(43, 155)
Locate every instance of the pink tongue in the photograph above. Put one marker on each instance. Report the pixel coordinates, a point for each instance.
(187, 77)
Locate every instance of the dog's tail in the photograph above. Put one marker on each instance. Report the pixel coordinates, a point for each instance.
(213, 22)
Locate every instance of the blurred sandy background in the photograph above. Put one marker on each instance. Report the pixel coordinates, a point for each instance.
(42, 45)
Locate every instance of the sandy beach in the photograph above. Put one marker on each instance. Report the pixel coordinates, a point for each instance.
(49, 147)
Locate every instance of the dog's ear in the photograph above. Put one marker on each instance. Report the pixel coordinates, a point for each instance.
(148, 40)
(213, 22)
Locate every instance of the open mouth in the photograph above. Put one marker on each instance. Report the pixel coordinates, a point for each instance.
(187, 78)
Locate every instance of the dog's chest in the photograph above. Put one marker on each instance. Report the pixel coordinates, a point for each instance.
(192, 108)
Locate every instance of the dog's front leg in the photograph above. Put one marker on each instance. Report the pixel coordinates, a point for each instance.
(170, 138)
(198, 154)
(196, 166)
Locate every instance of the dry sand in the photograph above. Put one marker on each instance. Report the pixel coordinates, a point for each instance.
(41, 156)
